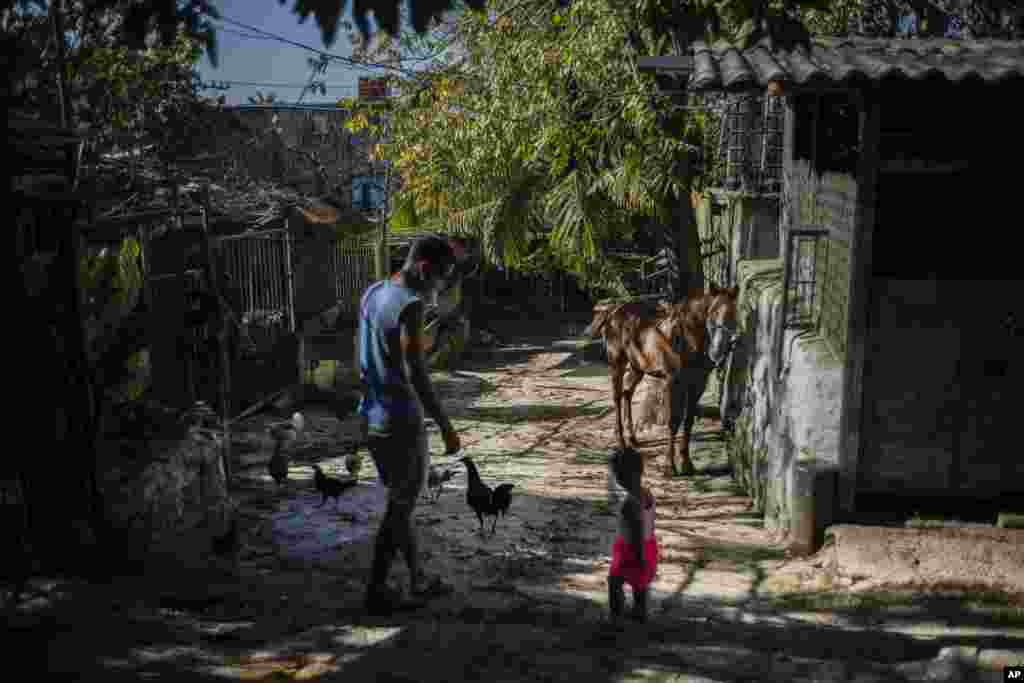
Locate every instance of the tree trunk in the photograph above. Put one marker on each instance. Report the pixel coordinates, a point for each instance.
(681, 242)
(61, 490)
(686, 275)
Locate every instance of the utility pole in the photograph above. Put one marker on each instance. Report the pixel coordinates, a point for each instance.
(382, 253)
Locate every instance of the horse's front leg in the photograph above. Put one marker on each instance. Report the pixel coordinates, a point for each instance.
(630, 383)
(686, 467)
(676, 404)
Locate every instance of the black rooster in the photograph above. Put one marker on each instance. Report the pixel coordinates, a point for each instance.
(330, 487)
(482, 499)
(502, 498)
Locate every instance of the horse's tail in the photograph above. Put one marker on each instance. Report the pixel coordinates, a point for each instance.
(601, 317)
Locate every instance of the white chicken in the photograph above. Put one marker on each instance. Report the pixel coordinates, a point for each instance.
(283, 434)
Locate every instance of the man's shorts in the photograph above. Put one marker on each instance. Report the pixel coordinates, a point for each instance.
(402, 460)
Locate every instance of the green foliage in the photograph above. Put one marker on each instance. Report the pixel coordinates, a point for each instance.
(832, 19)
(111, 276)
(524, 143)
(148, 91)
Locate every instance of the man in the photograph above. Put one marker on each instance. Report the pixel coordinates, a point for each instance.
(396, 393)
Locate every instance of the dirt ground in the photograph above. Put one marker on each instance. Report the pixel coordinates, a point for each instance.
(530, 601)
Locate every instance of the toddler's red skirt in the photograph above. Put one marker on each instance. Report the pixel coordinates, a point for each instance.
(624, 563)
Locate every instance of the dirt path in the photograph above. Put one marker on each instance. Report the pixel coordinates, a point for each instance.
(530, 600)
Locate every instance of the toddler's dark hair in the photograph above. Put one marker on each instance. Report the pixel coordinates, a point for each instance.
(625, 463)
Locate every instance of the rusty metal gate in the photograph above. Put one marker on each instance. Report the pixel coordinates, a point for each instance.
(258, 267)
(352, 270)
(260, 272)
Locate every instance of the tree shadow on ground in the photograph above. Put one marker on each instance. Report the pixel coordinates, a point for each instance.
(496, 358)
(532, 639)
(120, 632)
(963, 607)
(283, 622)
(530, 412)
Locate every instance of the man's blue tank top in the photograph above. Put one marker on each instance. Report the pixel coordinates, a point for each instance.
(388, 398)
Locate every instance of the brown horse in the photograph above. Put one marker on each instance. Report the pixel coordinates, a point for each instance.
(680, 343)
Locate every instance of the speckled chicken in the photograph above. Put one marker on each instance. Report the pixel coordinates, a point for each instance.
(436, 477)
(278, 465)
(287, 432)
(283, 433)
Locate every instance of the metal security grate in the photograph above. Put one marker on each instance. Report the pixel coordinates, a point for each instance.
(801, 304)
(833, 292)
(353, 267)
(816, 284)
(259, 266)
(750, 145)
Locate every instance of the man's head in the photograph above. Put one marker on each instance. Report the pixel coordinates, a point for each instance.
(430, 265)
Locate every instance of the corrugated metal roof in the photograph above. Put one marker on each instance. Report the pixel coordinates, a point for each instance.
(841, 62)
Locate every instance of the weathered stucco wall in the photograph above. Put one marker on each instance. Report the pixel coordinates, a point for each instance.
(785, 441)
(171, 494)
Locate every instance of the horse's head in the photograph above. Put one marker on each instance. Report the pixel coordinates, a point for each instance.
(722, 326)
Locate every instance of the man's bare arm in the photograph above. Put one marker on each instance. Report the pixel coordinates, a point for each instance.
(412, 351)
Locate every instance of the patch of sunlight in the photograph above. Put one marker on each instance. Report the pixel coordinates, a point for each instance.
(156, 654)
(44, 585)
(579, 561)
(727, 584)
(659, 675)
(262, 655)
(587, 580)
(35, 604)
(366, 637)
(298, 668)
(220, 628)
(221, 672)
(783, 584)
(809, 617)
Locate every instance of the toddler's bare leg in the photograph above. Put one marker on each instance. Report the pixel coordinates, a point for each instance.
(616, 596)
(640, 605)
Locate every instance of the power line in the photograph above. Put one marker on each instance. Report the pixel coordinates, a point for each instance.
(348, 86)
(243, 34)
(367, 66)
(323, 54)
